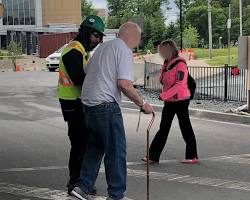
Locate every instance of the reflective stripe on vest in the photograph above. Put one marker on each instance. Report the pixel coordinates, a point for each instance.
(65, 80)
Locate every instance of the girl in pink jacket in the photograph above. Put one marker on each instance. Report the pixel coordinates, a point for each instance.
(176, 97)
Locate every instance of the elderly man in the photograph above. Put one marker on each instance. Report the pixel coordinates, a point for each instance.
(74, 58)
(109, 73)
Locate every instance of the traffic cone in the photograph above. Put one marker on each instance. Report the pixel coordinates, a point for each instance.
(191, 55)
(18, 68)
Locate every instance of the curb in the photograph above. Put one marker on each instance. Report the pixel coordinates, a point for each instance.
(199, 113)
(28, 69)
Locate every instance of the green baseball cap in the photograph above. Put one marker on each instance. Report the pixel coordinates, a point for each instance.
(94, 22)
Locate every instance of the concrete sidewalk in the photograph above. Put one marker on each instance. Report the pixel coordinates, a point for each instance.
(199, 113)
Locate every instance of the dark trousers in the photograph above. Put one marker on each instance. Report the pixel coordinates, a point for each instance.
(74, 116)
(106, 138)
(179, 108)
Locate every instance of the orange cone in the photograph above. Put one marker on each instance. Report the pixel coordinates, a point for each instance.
(18, 68)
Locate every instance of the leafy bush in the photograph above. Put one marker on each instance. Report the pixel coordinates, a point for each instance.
(14, 52)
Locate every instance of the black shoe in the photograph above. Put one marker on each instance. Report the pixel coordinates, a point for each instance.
(70, 188)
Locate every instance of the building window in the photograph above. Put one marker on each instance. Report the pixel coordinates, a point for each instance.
(19, 12)
(16, 12)
(27, 12)
(32, 12)
(10, 12)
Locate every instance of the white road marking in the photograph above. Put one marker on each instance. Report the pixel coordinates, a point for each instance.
(43, 107)
(46, 193)
(33, 169)
(241, 159)
(37, 192)
(188, 179)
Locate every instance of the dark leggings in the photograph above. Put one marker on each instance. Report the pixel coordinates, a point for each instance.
(179, 108)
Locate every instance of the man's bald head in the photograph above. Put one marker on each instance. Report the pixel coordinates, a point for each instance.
(130, 33)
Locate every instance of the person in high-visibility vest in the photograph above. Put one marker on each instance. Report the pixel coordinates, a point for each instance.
(73, 60)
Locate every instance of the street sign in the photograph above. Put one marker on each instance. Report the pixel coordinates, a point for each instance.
(1, 10)
(228, 23)
(243, 52)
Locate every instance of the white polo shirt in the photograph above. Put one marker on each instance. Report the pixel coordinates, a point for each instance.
(113, 60)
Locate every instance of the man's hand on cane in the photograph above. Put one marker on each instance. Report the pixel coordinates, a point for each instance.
(147, 108)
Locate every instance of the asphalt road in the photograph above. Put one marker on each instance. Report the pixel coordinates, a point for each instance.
(34, 150)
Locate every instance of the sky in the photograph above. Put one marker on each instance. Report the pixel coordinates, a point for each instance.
(171, 15)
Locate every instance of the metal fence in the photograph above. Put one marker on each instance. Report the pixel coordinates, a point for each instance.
(212, 83)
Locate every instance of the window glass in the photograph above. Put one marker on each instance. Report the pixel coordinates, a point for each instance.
(32, 12)
(21, 12)
(16, 12)
(27, 12)
(10, 13)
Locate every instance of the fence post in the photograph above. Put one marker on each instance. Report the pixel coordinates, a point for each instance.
(225, 81)
(145, 73)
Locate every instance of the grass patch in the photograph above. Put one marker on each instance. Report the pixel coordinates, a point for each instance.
(222, 60)
(203, 53)
(219, 56)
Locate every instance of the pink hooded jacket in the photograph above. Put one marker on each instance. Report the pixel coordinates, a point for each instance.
(174, 81)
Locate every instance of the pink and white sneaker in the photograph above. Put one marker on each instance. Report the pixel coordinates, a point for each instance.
(190, 161)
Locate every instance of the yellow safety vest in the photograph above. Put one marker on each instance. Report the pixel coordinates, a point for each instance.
(66, 88)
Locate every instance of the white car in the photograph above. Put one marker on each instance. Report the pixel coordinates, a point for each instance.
(52, 61)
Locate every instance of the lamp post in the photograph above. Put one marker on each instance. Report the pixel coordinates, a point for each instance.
(210, 28)
(181, 28)
(240, 7)
(229, 32)
(220, 42)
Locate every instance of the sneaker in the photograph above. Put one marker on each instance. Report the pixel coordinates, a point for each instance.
(78, 193)
(151, 162)
(190, 161)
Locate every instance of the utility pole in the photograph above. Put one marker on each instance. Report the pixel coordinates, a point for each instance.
(240, 7)
(229, 32)
(181, 26)
(210, 28)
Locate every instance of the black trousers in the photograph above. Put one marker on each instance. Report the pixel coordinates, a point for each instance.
(74, 116)
(179, 108)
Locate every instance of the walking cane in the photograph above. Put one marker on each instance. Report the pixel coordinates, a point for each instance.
(148, 131)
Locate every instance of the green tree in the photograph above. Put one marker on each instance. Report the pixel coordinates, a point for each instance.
(197, 17)
(190, 37)
(150, 11)
(195, 14)
(87, 8)
(246, 20)
(172, 32)
(14, 51)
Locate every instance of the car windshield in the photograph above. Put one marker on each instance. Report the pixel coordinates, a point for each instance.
(61, 49)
